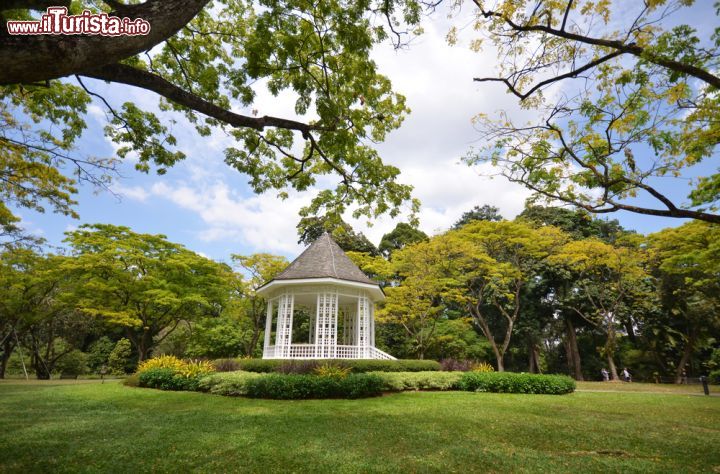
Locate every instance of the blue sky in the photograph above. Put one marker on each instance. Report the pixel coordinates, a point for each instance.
(208, 207)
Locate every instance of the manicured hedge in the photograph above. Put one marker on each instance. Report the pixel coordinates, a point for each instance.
(232, 384)
(295, 387)
(399, 381)
(307, 366)
(508, 382)
(167, 379)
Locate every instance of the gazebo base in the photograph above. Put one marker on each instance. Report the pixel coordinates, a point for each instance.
(313, 351)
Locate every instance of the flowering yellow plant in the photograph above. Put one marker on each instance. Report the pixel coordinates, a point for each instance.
(483, 367)
(162, 362)
(193, 368)
(196, 368)
(331, 370)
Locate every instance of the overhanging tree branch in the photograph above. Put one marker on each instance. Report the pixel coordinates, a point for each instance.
(619, 46)
(36, 58)
(129, 75)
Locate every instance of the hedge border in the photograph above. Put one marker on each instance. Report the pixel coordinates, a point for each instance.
(304, 366)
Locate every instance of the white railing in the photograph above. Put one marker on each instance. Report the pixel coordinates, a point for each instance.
(376, 353)
(312, 351)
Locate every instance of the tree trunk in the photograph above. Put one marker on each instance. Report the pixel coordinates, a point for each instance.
(253, 342)
(533, 358)
(8, 347)
(42, 371)
(687, 352)
(613, 369)
(144, 345)
(536, 350)
(573, 350)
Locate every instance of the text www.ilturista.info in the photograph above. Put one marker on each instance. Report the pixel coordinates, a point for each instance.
(56, 21)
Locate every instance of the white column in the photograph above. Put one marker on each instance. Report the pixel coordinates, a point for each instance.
(372, 323)
(326, 325)
(268, 328)
(283, 334)
(363, 322)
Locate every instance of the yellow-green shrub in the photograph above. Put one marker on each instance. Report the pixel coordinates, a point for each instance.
(196, 368)
(332, 370)
(162, 362)
(483, 367)
(171, 373)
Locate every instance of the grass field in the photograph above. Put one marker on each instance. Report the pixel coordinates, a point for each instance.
(90, 427)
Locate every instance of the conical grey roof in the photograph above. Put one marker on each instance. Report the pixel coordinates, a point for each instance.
(324, 259)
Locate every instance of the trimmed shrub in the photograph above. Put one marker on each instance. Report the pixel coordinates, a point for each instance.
(355, 365)
(302, 366)
(226, 365)
(454, 365)
(296, 387)
(509, 382)
(402, 365)
(259, 365)
(232, 384)
(399, 381)
(167, 379)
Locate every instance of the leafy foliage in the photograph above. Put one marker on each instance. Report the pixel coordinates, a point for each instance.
(509, 382)
(401, 381)
(233, 384)
(642, 112)
(143, 283)
(294, 387)
(119, 360)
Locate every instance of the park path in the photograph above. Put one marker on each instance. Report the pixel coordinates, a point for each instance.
(716, 394)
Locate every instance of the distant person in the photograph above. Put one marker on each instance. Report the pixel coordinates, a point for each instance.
(626, 375)
(683, 377)
(605, 374)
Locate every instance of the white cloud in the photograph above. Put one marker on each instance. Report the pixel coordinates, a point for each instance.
(262, 222)
(136, 193)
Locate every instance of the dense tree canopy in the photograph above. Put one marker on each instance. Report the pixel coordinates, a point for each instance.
(207, 61)
(143, 283)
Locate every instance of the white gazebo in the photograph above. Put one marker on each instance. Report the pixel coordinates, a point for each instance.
(321, 307)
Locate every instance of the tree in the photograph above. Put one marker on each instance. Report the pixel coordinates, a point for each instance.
(143, 283)
(686, 261)
(261, 267)
(32, 310)
(206, 65)
(479, 213)
(579, 223)
(497, 261)
(645, 108)
(310, 228)
(423, 284)
(401, 236)
(610, 283)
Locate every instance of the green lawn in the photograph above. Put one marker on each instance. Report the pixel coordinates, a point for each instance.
(90, 427)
